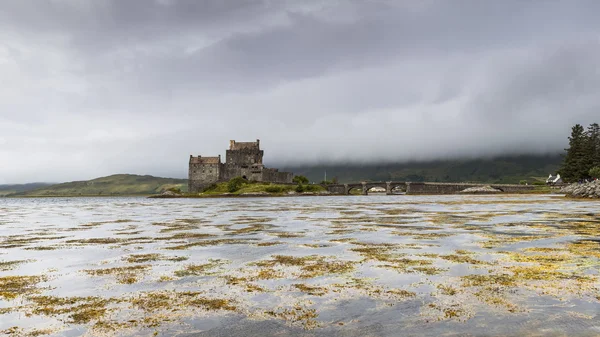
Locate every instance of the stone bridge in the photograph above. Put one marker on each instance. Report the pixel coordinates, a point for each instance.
(420, 187)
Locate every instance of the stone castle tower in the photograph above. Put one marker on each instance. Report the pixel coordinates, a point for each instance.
(243, 159)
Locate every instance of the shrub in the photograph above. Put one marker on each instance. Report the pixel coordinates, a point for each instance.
(300, 188)
(523, 182)
(209, 188)
(235, 184)
(595, 172)
(274, 189)
(300, 180)
(175, 190)
(312, 188)
(325, 182)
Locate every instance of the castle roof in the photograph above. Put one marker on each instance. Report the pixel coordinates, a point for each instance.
(205, 160)
(233, 145)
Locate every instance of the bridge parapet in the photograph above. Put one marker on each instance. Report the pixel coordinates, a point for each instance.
(421, 187)
(452, 188)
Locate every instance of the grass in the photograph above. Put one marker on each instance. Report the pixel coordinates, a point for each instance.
(259, 188)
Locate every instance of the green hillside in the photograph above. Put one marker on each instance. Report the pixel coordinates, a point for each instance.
(508, 169)
(118, 184)
(12, 189)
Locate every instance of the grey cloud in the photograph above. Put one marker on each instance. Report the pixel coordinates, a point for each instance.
(100, 87)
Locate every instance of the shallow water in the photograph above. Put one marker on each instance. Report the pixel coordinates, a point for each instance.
(305, 266)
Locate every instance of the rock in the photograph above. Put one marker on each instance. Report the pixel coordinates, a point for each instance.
(167, 194)
(480, 190)
(585, 190)
(254, 194)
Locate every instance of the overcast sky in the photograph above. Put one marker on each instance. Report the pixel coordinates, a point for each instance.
(92, 88)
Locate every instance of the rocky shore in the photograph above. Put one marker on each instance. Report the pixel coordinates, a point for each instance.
(585, 190)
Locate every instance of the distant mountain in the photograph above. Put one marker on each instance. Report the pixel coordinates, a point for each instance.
(118, 184)
(507, 169)
(11, 189)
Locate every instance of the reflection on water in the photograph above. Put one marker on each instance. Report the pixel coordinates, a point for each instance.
(306, 266)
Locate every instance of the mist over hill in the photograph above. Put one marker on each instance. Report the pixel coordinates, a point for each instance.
(505, 169)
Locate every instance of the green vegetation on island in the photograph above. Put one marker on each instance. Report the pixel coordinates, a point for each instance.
(241, 186)
(118, 184)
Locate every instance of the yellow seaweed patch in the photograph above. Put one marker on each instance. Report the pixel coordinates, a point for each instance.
(462, 258)
(184, 235)
(453, 311)
(297, 315)
(201, 269)
(586, 248)
(143, 258)
(269, 243)
(10, 265)
(252, 228)
(447, 290)
(429, 270)
(244, 282)
(174, 301)
(206, 243)
(396, 211)
(311, 290)
(284, 235)
(78, 310)
(20, 332)
(476, 280)
(123, 275)
(310, 266)
(14, 286)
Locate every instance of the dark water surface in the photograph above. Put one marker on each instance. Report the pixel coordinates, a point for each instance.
(301, 266)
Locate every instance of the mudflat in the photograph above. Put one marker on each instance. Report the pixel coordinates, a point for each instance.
(305, 266)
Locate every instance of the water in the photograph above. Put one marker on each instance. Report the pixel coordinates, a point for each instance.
(304, 266)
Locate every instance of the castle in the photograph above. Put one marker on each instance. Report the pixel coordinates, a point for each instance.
(243, 159)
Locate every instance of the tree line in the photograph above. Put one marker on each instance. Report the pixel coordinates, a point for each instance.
(582, 158)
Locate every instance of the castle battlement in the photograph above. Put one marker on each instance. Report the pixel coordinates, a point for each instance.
(233, 145)
(205, 160)
(243, 159)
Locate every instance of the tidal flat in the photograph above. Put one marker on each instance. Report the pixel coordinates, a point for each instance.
(510, 265)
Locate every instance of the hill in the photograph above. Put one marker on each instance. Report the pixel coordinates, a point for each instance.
(11, 189)
(500, 170)
(118, 184)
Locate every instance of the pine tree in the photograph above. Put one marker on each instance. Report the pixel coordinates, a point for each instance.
(575, 164)
(594, 144)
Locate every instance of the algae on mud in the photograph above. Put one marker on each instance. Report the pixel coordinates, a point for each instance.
(184, 265)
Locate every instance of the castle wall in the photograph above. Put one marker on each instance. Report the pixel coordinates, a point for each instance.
(245, 156)
(201, 175)
(274, 175)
